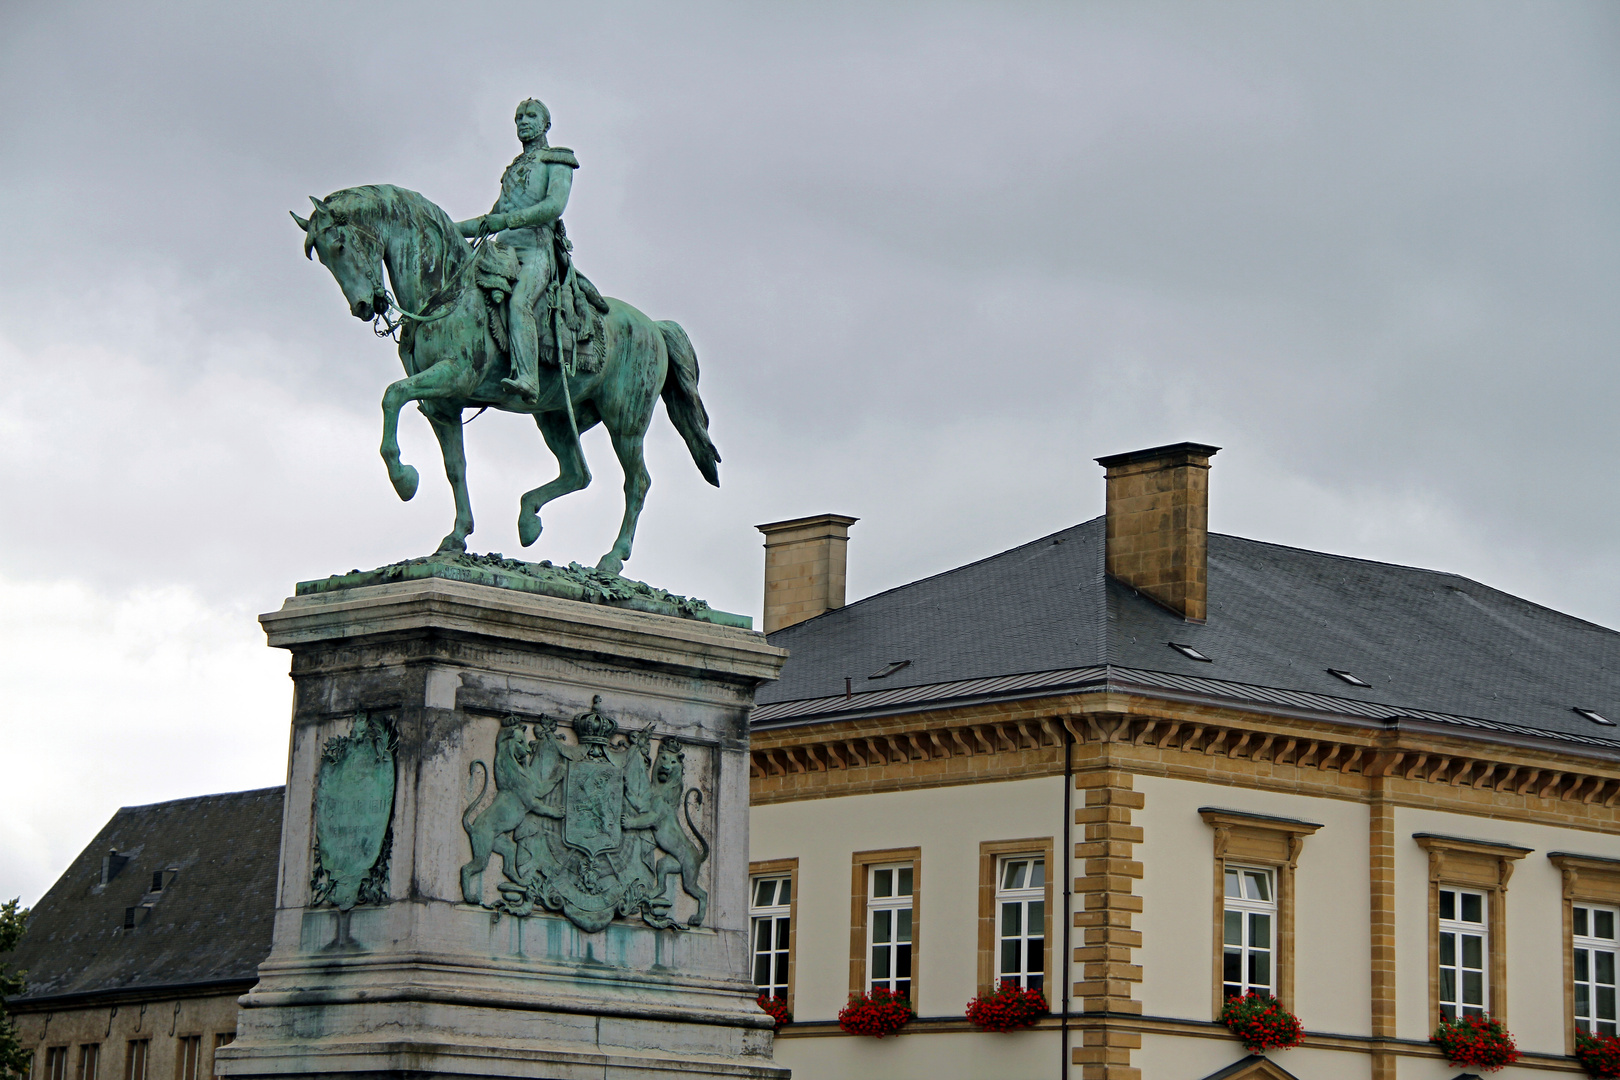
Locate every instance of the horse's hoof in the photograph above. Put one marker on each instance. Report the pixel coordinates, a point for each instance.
(610, 563)
(405, 481)
(453, 544)
(528, 528)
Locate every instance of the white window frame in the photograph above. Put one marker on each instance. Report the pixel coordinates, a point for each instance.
(776, 920)
(1457, 930)
(1022, 911)
(1595, 1012)
(891, 916)
(1247, 909)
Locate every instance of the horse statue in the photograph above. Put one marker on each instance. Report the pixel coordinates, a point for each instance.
(454, 353)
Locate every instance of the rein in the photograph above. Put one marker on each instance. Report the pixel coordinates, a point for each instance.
(388, 329)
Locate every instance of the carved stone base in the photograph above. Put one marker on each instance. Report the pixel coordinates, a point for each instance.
(602, 752)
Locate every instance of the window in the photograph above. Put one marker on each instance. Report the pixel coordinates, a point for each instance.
(56, 1063)
(1256, 862)
(223, 1038)
(1352, 679)
(885, 902)
(1463, 953)
(187, 1056)
(135, 1059)
(1468, 882)
(1594, 955)
(1248, 933)
(89, 1059)
(1189, 652)
(1021, 922)
(771, 913)
(888, 923)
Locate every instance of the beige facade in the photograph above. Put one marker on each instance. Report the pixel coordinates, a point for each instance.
(1144, 911)
(131, 1037)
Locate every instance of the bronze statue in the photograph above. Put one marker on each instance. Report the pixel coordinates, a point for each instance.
(508, 322)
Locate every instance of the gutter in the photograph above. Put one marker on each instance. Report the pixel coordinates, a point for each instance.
(129, 995)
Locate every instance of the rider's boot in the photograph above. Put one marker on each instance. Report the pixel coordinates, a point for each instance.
(525, 339)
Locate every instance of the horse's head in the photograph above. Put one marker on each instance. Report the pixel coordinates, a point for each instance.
(351, 251)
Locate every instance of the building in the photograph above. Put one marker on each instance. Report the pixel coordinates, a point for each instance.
(1378, 793)
(136, 956)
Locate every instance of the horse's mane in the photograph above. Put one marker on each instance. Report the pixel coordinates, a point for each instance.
(374, 204)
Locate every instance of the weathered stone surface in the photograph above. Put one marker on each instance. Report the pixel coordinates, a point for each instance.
(571, 582)
(426, 982)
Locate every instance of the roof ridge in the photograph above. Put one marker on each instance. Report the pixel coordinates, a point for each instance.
(942, 573)
(200, 798)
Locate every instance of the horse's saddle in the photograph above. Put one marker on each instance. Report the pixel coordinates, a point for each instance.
(569, 313)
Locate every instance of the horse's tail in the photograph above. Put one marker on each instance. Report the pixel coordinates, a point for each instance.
(681, 399)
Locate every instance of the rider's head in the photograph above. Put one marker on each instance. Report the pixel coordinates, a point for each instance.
(533, 119)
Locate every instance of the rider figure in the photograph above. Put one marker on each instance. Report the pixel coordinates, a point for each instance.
(534, 192)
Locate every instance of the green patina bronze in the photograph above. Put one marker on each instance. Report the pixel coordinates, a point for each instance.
(594, 830)
(571, 582)
(354, 810)
(511, 324)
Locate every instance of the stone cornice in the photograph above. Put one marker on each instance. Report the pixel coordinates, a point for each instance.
(352, 617)
(1014, 740)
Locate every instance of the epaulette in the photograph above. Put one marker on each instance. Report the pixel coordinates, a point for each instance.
(558, 155)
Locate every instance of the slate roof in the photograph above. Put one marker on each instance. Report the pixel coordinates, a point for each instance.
(210, 924)
(1045, 615)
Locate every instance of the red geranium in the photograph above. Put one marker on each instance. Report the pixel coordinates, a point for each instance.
(1007, 1009)
(1598, 1054)
(778, 1009)
(1262, 1023)
(1476, 1041)
(877, 1012)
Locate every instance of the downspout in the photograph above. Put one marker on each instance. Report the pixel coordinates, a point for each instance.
(1068, 887)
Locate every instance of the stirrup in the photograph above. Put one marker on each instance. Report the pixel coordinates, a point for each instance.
(528, 393)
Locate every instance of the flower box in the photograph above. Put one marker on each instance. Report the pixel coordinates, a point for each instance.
(1009, 1008)
(1262, 1023)
(1599, 1055)
(778, 1009)
(1475, 1041)
(878, 1012)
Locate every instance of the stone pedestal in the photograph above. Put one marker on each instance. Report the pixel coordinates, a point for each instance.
(602, 752)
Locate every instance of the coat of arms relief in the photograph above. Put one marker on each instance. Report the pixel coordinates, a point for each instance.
(596, 831)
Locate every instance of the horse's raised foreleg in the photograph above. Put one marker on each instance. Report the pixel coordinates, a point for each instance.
(437, 381)
(446, 423)
(572, 473)
(636, 483)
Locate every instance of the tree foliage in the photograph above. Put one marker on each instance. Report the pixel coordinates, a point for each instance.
(14, 1060)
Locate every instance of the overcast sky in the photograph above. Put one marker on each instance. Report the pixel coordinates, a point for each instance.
(934, 260)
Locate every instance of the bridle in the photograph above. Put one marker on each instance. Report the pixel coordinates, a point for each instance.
(380, 323)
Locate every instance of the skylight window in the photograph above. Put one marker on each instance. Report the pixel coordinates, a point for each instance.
(1349, 678)
(1189, 652)
(889, 669)
(1595, 717)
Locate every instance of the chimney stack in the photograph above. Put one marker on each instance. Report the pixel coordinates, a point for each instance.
(1158, 524)
(804, 568)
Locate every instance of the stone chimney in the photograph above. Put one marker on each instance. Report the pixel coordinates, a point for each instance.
(1158, 524)
(804, 568)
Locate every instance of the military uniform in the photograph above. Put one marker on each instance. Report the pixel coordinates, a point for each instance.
(525, 184)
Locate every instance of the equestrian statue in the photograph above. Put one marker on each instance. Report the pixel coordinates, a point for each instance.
(492, 313)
